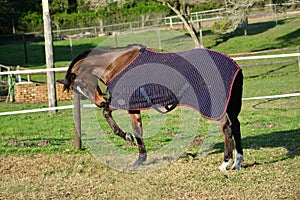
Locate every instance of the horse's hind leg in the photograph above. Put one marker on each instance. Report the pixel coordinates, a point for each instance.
(231, 126)
(136, 121)
(114, 126)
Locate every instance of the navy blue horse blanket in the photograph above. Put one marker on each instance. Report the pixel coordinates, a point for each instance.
(199, 78)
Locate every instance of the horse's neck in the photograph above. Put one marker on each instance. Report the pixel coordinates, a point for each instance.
(118, 62)
(106, 65)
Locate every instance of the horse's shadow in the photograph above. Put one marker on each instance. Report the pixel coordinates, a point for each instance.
(288, 139)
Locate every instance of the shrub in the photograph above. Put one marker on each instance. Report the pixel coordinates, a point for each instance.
(31, 22)
(223, 26)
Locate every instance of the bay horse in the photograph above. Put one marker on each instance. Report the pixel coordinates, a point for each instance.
(106, 63)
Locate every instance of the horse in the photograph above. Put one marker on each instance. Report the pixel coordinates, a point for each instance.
(104, 64)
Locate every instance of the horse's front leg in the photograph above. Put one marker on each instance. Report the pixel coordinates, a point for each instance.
(114, 126)
(230, 126)
(236, 132)
(227, 132)
(136, 121)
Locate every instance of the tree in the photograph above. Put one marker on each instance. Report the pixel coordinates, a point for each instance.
(12, 10)
(236, 11)
(236, 14)
(6, 11)
(59, 6)
(182, 8)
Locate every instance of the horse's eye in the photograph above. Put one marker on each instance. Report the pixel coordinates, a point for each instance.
(84, 85)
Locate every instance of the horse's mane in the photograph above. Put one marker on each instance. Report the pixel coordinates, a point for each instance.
(70, 76)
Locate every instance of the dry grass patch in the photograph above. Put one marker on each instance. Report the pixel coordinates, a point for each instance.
(83, 177)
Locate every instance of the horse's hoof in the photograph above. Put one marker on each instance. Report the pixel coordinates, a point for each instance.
(225, 165)
(142, 158)
(238, 161)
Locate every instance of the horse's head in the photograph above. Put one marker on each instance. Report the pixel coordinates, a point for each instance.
(87, 85)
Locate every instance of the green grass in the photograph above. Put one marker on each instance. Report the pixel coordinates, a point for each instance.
(36, 127)
(261, 36)
(270, 134)
(271, 80)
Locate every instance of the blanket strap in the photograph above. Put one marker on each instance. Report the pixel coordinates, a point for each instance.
(167, 107)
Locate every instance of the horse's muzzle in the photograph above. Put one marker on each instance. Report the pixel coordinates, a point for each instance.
(103, 105)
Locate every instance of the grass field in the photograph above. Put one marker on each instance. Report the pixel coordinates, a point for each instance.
(38, 160)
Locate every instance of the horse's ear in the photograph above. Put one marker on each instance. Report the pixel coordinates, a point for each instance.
(62, 81)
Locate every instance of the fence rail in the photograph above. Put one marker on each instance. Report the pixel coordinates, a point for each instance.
(63, 69)
(34, 71)
(267, 56)
(92, 105)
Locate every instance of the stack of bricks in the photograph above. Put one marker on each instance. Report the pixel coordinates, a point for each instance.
(62, 95)
(33, 93)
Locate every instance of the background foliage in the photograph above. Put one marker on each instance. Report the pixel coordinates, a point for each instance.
(26, 15)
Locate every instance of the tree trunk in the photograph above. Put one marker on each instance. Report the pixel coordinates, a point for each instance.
(188, 26)
(246, 26)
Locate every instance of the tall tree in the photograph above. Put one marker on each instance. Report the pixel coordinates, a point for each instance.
(182, 8)
(12, 10)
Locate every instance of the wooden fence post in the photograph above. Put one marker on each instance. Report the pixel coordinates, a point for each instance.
(159, 39)
(115, 34)
(299, 58)
(71, 47)
(77, 120)
(25, 49)
(130, 27)
(49, 56)
(101, 26)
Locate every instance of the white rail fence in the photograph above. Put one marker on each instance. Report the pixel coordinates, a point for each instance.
(64, 69)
